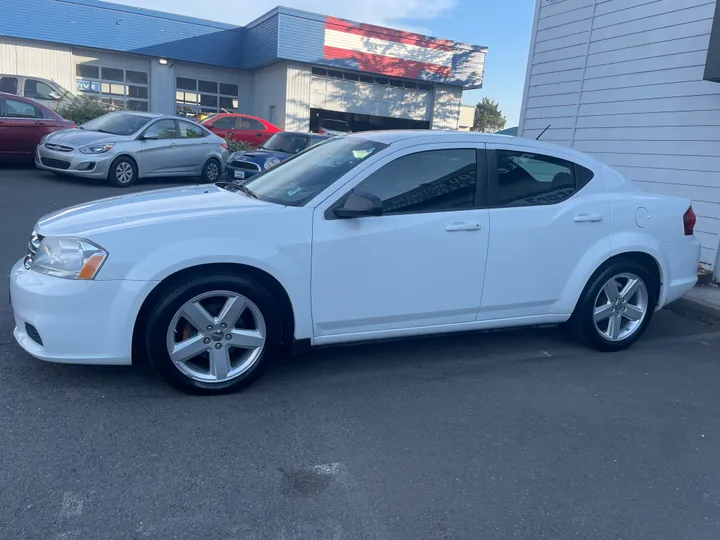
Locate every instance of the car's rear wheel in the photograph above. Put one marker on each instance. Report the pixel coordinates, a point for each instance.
(123, 172)
(211, 171)
(616, 307)
(213, 334)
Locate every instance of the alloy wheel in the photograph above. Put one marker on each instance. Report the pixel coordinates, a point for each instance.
(621, 307)
(124, 172)
(216, 336)
(213, 171)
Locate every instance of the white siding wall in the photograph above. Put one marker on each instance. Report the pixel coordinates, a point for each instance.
(270, 85)
(446, 107)
(162, 88)
(622, 80)
(38, 59)
(297, 104)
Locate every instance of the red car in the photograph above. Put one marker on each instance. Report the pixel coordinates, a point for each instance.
(241, 127)
(23, 122)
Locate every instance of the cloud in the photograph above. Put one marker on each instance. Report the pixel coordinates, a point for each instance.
(394, 13)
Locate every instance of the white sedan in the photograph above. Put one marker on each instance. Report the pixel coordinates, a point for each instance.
(364, 237)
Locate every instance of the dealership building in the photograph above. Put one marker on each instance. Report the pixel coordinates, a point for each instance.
(290, 67)
(635, 84)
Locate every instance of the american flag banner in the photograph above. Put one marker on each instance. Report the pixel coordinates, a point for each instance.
(376, 49)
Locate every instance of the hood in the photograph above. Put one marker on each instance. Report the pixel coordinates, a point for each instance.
(81, 137)
(259, 154)
(147, 208)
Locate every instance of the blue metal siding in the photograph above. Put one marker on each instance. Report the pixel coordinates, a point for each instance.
(261, 43)
(119, 28)
(301, 37)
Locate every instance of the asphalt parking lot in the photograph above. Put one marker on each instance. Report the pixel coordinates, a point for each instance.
(506, 435)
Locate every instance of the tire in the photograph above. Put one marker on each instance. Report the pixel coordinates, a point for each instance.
(634, 312)
(123, 172)
(211, 171)
(219, 367)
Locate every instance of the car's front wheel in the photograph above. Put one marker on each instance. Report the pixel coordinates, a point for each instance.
(123, 172)
(213, 334)
(616, 307)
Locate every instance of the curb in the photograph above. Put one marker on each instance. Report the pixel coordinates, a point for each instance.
(698, 311)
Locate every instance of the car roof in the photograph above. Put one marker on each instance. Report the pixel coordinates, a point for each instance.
(435, 136)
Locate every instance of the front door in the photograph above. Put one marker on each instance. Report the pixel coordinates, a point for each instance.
(163, 156)
(421, 263)
(193, 142)
(41, 92)
(550, 221)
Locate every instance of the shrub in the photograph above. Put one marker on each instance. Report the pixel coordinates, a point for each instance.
(82, 109)
(238, 146)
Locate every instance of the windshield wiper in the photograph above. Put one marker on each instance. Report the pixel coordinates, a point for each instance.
(246, 190)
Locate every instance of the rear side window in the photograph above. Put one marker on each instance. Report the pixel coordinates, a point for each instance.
(226, 122)
(20, 109)
(530, 179)
(9, 85)
(190, 131)
(251, 125)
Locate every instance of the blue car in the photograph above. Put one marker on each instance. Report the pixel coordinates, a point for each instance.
(279, 147)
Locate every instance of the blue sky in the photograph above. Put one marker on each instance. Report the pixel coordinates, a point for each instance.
(503, 26)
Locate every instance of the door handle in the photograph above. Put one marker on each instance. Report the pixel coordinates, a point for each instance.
(259, 135)
(588, 218)
(38, 123)
(463, 227)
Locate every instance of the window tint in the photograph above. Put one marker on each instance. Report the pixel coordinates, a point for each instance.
(433, 181)
(190, 131)
(164, 128)
(250, 124)
(37, 89)
(9, 85)
(226, 122)
(527, 179)
(20, 109)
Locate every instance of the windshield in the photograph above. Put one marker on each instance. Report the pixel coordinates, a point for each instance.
(297, 180)
(286, 142)
(117, 123)
(335, 125)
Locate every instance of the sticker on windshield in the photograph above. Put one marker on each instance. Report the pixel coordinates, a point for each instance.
(294, 191)
(361, 154)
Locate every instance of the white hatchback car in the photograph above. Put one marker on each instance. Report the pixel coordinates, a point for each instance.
(374, 235)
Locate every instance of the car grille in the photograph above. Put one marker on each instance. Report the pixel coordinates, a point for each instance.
(33, 246)
(247, 165)
(55, 163)
(58, 147)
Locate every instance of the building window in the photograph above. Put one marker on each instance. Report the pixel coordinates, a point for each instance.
(127, 89)
(194, 97)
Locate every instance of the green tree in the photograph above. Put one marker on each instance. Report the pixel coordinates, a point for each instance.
(488, 117)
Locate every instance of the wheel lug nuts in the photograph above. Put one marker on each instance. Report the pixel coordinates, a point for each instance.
(228, 337)
(223, 325)
(209, 327)
(206, 340)
(218, 345)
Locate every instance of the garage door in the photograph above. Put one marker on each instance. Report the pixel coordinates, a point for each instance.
(365, 94)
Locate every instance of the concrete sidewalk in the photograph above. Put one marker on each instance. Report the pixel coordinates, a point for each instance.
(702, 303)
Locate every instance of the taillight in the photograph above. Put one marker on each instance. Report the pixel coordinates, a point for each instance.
(689, 221)
(224, 145)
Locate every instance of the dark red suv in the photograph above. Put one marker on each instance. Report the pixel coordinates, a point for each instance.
(23, 122)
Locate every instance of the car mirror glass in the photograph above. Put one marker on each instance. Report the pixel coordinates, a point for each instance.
(359, 204)
(151, 136)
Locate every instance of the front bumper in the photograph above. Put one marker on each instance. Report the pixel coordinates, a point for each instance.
(78, 322)
(73, 163)
(246, 173)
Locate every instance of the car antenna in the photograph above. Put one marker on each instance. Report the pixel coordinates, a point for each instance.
(543, 131)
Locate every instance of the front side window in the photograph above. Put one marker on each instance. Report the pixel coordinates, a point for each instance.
(432, 181)
(119, 123)
(38, 90)
(20, 109)
(528, 179)
(9, 85)
(190, 131)
(297, 180)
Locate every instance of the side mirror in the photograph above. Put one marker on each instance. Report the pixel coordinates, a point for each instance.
(359, 204)
(151, 136)
(55, 96)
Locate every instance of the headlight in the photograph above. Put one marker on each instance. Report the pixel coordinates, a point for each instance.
(69, 258)
(97, 148)
(271, 162)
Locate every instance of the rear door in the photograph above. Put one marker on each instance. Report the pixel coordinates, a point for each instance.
(252, 131)
(550, 228)
(24, 125)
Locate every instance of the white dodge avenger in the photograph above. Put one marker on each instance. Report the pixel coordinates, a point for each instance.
(369, 236)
